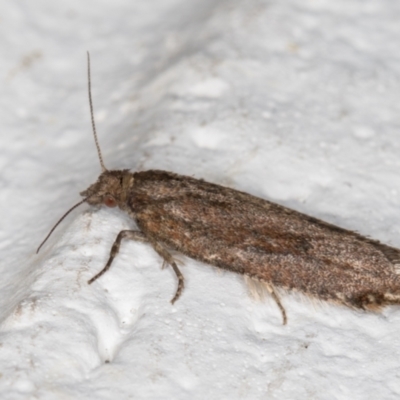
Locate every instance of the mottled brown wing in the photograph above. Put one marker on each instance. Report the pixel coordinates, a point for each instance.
(248, 235)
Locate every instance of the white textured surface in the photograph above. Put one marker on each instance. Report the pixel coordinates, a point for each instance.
(295, 101)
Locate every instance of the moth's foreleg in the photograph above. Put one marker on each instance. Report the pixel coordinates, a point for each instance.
(132, 235)
(167, 257)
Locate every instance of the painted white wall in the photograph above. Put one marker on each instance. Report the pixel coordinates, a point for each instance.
(295, 101)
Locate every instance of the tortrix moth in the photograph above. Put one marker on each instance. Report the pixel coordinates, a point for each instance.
(235, 231)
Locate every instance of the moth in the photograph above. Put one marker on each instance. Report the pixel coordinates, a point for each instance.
(235, 231)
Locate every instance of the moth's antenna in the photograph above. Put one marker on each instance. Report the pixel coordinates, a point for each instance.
(58, 223)
(92, 116)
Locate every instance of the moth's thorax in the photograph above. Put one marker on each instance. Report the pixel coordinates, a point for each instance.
(112, 189)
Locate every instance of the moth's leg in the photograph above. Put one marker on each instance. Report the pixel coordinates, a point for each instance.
(274, 295)
(139, 236)
(132, 235)
(167, 257)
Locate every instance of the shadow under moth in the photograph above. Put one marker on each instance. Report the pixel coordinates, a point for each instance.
(228, 229)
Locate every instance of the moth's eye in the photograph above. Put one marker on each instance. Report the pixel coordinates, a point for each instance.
(109, 201)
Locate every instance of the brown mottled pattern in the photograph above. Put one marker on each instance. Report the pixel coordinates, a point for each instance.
(248, 235)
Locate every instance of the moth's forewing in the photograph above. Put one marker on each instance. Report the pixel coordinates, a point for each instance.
(248, 235)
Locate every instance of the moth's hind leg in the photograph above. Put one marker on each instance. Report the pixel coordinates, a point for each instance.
(257, 290)
(168, 259)
(275, 296)
(132, 235)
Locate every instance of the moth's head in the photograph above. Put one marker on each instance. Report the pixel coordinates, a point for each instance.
(111, 189)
